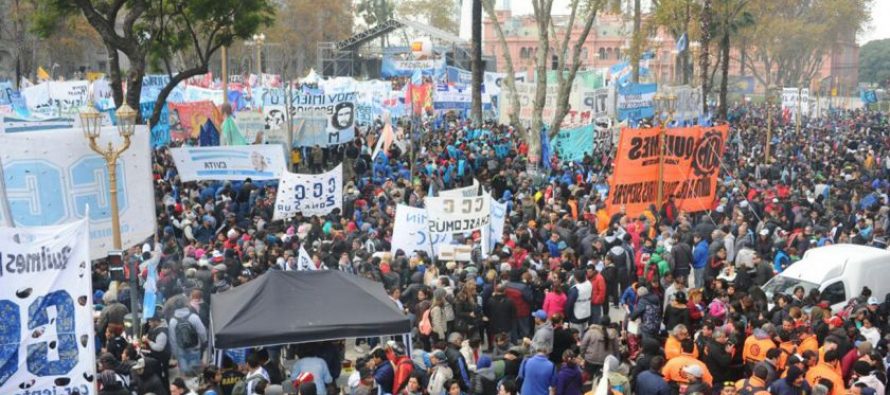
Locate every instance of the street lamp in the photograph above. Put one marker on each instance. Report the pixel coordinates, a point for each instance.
(663, 104)
(695, 46)
(258, 40)
(770, 95)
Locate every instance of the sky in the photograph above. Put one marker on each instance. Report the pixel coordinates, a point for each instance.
(878, 29)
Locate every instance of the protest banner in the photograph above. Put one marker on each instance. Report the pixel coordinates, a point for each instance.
(469, 191)
(600, 102)
(493, 82)
(160, 132)
(742, 85)
(54, 180)
(689, 102)
(448, 97)
(309, 194)
(235, 163)
(636, 101)
(14, 124)
(411, 232)
(419, 98)
(46, 308)
(251, 124)
(391, 67)
(6, 90)
(494, 233)
(455, 252)
(57, 98)
(572, 143)
(186, 119)
(312, 130)
(691, 168)
(458, 214)
(790, 99)
(192, 93)
(339, 108)
(458, 77)
(526, 94)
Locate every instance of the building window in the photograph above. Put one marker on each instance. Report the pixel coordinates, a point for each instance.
(618, 53)
(523, 53)
(584, 53)
(603, 53)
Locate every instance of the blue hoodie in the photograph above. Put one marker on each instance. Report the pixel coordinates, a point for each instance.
(700, 255)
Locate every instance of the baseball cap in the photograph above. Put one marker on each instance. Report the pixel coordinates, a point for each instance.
(873, 301)
(540, 314)
(836, 321)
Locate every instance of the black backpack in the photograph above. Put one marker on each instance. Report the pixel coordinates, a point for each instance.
(186, 334)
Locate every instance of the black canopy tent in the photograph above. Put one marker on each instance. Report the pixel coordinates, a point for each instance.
(283, 307)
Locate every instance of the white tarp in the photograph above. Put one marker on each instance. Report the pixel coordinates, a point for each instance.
(411, 232)
(472, 190)
(51, 177)
(235, 163)
(310, 194)
(457, 214)
(46, 310)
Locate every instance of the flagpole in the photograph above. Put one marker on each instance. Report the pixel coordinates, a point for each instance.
(7, 211)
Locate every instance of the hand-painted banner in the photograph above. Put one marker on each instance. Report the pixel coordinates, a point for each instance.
(160, 132)
(13, 124)
(494, 233)
(309, 194)
(186, 119)
(454, 98)
(458, 214)
(458, 77)
(691, 168)
(411, 232)
(636, 101)
(6, 90)
(689, 102)
(790, 99)
(251, 124)
(57, 98)
(494, 82)
(571, 144)
(339, 108)
(600, 102)
(54, 181)
(419, 98)
(46, 309)
(526, 94)
(391, 67)
(193, 93)
(313, 131)
(470, 191)
(257, 162)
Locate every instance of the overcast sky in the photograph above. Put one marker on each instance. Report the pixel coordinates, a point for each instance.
(879, 28)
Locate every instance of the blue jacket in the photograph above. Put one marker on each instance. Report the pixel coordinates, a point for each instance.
(781, 261)
(569, 381)
(538, 375)
(652, 383)
(629, 297)
(782, 387)
(700, 255)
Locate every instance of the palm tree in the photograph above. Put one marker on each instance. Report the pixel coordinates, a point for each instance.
(476, 65)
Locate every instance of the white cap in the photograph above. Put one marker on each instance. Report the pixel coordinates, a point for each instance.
(693, 370)
(873, 301)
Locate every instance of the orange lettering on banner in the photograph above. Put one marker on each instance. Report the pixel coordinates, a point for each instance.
(186, 119)
(691, 168)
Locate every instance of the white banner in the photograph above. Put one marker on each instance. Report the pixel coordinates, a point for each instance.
(250, 124)
(46, 310)
(494, 82)
(411, 232)
(51, 177)
(689, 103)
(790, 98)
(235, 163)
(493, 234)
(458, 214)
(600, 102)
(310, 194)
(470, 191)
(57, 98)
(338, 108)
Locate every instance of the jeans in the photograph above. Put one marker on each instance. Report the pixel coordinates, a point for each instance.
(522, 327)
(189, 361)
(699, 275)
(596, 313)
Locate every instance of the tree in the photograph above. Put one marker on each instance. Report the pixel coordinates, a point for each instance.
(731, 17)
(791, 38)
(705, 58)
(675, 16)
(510, 79)
(874, 62)
(301, 39)
(374, 12)
(476, 66)
(158, 31)
(438, 13)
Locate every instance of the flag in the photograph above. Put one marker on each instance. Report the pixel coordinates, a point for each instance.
(647, 55)
(304, 261)
(417, 77)
(42, 74)
(386, 137)
(546, 152)
(682, 43)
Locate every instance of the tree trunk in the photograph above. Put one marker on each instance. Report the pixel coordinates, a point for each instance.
(724, 75)
(114, 76)
(510, 79)
(134, 84)
(704, 60)
(476, 65)
(637, 41)
(162, 95)
(542, 59)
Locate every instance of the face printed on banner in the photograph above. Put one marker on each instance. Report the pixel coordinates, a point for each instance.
(259, 161)
(344, 115)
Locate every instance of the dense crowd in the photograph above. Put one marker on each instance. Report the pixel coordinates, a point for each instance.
(665, 302)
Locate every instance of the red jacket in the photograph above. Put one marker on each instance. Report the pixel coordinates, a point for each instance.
(599, 289)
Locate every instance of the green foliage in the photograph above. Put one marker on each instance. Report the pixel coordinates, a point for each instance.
(874, 62)
(438, 13)
(374, 11)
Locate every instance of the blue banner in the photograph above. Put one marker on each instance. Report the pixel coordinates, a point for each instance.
(571, 144)
(391, 67)
(160, 133)
(868, 96)
(6, 90)
(458, 77)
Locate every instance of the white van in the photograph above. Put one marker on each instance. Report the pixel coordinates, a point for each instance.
(838, 271)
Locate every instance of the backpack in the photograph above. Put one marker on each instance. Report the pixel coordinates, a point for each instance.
(651, 322)
(425, 327)
(240, 387)
(186, 334)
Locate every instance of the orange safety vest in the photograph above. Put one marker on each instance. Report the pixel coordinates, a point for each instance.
(752, 383)
(755, 349)
(823, 370)
(672, 370)
(810, 343)
(837, 366)
(673, 348)
(787, 349)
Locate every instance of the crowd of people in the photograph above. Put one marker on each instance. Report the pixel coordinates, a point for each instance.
(662, 302)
